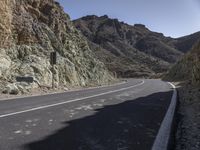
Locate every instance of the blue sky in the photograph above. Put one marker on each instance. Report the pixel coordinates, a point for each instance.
(174, 18)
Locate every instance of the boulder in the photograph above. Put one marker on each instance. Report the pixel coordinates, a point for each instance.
(11, 89)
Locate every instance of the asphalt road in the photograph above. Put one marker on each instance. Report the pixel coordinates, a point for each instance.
(121, 117)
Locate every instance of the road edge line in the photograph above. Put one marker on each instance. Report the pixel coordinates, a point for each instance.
(162, 140)
(69, 101)
(54, 93)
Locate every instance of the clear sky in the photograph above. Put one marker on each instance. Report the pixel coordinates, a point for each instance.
(174, 18)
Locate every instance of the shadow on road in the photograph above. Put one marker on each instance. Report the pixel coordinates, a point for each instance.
(131, 125)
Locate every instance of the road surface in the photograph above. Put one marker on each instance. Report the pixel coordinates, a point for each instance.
(120, 117)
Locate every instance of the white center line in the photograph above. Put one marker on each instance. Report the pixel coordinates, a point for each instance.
(70, 101)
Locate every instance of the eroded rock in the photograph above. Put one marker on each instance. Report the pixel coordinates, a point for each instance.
(30, 30)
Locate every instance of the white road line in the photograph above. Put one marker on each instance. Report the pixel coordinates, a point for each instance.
(162, 139)
(70, 101)
(54, 93)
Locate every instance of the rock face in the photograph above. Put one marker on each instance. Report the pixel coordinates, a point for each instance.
(29, 31)
(131, 51)
(188, 68)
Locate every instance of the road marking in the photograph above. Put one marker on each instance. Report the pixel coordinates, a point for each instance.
(162, 139)
(70, 101)
(54, 93)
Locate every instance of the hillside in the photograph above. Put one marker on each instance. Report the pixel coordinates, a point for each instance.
(188, 68)
(29, 31)
(130, 51)
(184, 44)
(187, 73)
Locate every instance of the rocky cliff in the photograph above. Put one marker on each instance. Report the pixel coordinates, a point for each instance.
(131, 51)
(29, 31)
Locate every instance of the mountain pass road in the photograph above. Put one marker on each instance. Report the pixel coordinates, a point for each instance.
(124, 116)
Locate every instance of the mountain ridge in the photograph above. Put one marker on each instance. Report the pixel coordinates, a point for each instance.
(149, 50)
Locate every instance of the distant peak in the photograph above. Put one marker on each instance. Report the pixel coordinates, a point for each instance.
(139, 25)
(104, 16)
(89, 17)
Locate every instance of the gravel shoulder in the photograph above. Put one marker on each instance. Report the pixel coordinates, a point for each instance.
(188, 132)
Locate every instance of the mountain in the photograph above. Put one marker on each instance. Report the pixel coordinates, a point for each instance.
(185, 44)
(131, 51)
(29, 32)
(188, 68)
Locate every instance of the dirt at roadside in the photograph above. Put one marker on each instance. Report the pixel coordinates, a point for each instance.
(188, 132)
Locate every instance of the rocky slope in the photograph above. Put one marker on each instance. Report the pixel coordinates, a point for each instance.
(187, 72)
(188, 68)
(131, 51)
(184, 44)
(29, 31)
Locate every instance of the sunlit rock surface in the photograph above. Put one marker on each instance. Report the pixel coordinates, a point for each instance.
(29, 31)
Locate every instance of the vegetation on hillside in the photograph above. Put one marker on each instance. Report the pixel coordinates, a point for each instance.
(188, 68)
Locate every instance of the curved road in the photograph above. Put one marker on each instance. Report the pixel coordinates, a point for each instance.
(121, 117)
